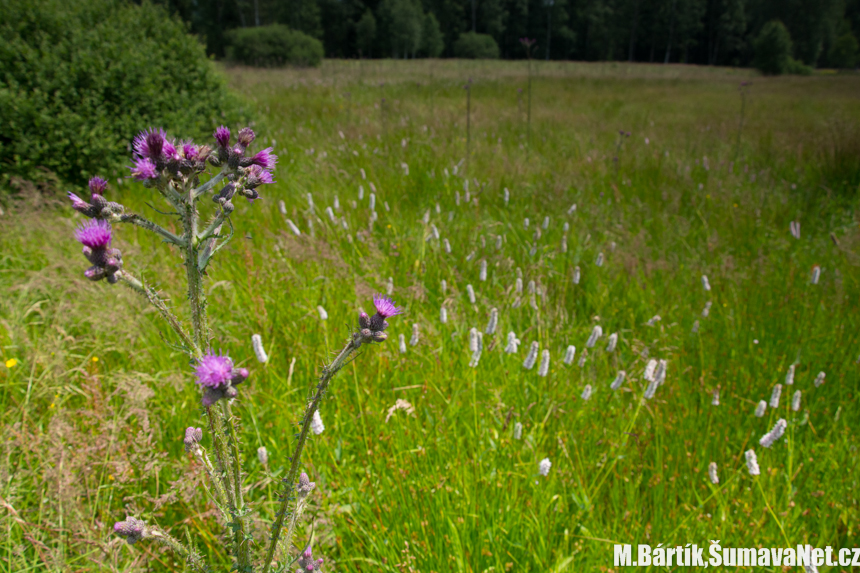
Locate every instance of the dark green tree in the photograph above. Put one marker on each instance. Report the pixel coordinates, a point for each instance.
(773, 48)
(365, 34)
(843, 52)
(432, 41)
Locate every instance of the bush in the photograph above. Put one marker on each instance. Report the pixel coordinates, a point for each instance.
(798, 68)
(79, 78)
(476, 46)
(273, 46)
(773, 49)
(843, 52)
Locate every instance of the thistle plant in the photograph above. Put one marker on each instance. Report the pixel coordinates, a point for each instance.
(176, 172)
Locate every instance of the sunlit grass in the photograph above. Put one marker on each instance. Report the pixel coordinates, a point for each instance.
(448, 488)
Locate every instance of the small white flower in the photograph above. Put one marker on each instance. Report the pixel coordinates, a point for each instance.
(651, 389)
(816, 274)
(707, 310)
(434, 232)
(518, 286)
(498, 242)
(752, 463)
(819, 380)
(794, 227)
(619, 380)
(317, 426)
(483, 272)
(576, 275)
(389, 286)
(599, 261)
(760, 408)
(415, 335)
(712, 473)
(293, 228)
(715, 399)
(443, 315)
(444, 286)
(360, 192)
(262, 455)
(586, 392)
(695, 328)
(705, 284)
(507, 195)
(323, 314)
(470, 256)
(473, 339)
(569, 354)
(572, 209)
(774, 396)
(526, 223)
(336, 203)
(545, 223)
(795, 401)
(596, 333)
(653, 320)
(789, 376)
(330, 213)
(543, 369)
(282, 207)
(513, 343)
(660, 372)
(543, 466)
(471, 293)
(531, 358)
(446, 245)
(613, 341)
(518, 431)
(776, 433)
(402, 340)
(494, 320)
(257, 343)
(310, 202)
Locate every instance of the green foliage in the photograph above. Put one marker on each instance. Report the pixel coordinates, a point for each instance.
(365, 34)
(432, 41)
(274, 46)
(798, 68)
(773, 49)
(403, 21)
(843, 52)
(476, 47)
(79, 78)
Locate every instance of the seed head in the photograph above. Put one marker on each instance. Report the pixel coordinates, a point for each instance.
(576, 275)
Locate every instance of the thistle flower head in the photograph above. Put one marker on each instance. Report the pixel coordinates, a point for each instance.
(94, 234)
(80, 205)
(214, 371)
(306, 486)
(189, 150)
(133, 530)
(222, 136)
(307, 562)
(265, 158)
(144, 169)
(98, 185)
(246, 136)
(385, 307)
(150, 143)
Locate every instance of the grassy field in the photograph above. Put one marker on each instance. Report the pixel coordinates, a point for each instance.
(95, 403)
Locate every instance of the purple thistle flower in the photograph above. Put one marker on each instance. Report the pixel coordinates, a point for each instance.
(144, 169)
(94, 234)
(386, 307)
(168, 151)
(150, 143)
(245, 136)
(189, 150)
(133, 530)
(265, 158)
(306, 561)
(98, 185)
(214, 371)
(258, 176)
(222, 136)
(80, 205)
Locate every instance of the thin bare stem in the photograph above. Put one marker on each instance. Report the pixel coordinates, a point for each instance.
(290, 481)
(144, 223)
(192, 557)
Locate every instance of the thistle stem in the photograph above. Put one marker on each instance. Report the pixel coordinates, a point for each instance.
(289, 482)
(240, 541)
(195, 193)
(144, 223)
(136, 285)
(192, 557)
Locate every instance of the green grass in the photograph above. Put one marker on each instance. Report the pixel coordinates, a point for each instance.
(449, 489)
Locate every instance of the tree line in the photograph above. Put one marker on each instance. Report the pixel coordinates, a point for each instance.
(823, 33)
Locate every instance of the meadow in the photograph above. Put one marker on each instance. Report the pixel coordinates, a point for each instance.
(430, 457)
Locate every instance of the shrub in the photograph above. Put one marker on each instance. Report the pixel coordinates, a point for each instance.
(273, 46)
(843, 52)
(773, 49)
(432, 42)
(476, 46)
(79, 77)
(798, 68)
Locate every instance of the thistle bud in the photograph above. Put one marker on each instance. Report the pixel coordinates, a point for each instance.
(306, 486)
(133, 530)
(193, 436)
